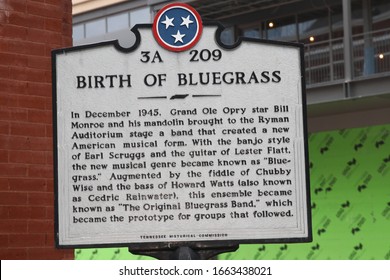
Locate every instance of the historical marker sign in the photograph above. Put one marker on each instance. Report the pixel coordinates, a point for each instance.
(180, 138)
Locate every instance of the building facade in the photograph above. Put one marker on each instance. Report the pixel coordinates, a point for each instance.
(29, 31)
(347, 46)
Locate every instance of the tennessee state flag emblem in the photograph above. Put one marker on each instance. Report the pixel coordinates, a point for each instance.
(177, 27)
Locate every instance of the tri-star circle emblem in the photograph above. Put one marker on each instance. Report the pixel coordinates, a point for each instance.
(177, 27)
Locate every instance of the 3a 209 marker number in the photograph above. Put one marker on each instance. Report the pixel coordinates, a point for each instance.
(205, 55)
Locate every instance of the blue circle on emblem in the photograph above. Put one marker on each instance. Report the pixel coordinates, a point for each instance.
(177, 27)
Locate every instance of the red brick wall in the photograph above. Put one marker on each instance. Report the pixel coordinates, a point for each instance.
(29, 30)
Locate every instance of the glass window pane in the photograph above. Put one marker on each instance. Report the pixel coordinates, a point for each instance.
(380, 36)
(314, 27)
(117, 22)
(78, 32)
(380, 14)
(140, 16)
(357, 17)
(282, 29)
(251, 33)
(95, 28)
(337, 25)
(227, 36)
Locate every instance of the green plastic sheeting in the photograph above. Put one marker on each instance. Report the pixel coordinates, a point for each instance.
(350, 196)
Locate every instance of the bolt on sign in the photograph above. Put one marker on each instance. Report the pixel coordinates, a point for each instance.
(180, 138)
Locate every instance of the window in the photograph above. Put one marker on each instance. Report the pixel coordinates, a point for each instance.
(118, 22)
(111, 23)
(95, 28)
(227, 36)
(78, 32)
(140, 16)
(313, 27)
(252, 33)
(282, 29)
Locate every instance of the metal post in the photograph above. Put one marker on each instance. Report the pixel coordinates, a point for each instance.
(369, 51)
(347, 42)
(183, 251)
(330, 45)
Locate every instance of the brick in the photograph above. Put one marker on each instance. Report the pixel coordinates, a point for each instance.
(26, 212)
(14, 142)
(40, 171)
(38, 62)
(3, 158)
(13, 114)
(26, 47)
(36, 21)
(28, 184)
(3, 99)
(4, 71)
(4, 240)
(27, 240)
(54, 37)
(18, 33)
(50, 184)
(10, 59)
(22, 73)
(41, 198)
(40, 89)
(16, 5)
(44, 10)
(49, 157)
(49, 104)
(26, 20)
(29, 74)
(40, 116)
(4, 128)
(33, 29)
(13, 170)
(27, 129)
(50, 47)
(50, 213)
(4, 184)
(13, 226)
(41, 144)
(13, 198)
(4, 47)
(13, 88)
(17, 18)
(28, 157)
(49, 130)
(36, 35)
(13, 254)
(31, 102)
(67, 41)
(50, 241)
(67, 19)
(53, 24)
(67, 28)
(4, 212)
(55, 2)
(50, 253)
(40, 226)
